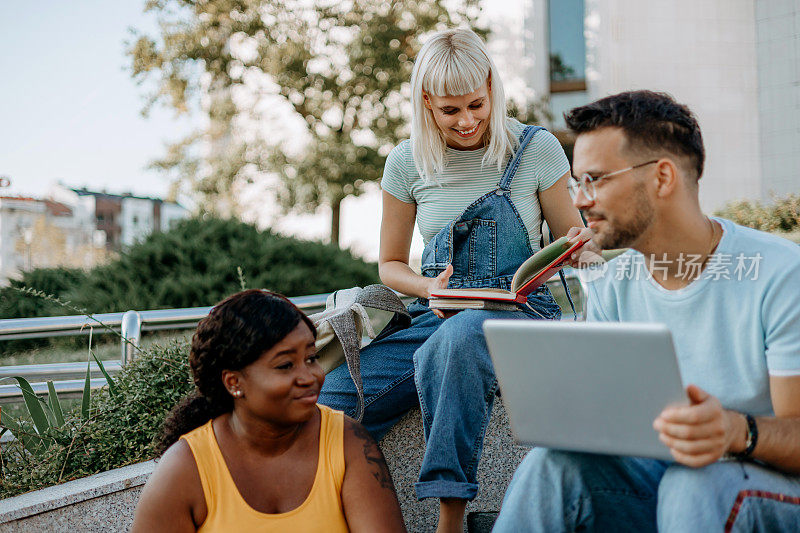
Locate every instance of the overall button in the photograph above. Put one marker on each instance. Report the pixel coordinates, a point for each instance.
(499, 192)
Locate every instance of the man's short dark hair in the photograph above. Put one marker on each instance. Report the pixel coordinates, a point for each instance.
(651, 121)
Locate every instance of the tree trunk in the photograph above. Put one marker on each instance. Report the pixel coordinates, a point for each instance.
(336, 208)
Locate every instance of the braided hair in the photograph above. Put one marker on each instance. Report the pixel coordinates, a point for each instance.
(235, 334)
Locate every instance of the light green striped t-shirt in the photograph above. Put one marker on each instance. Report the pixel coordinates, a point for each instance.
(464, 181)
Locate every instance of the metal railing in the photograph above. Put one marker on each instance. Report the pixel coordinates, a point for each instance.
(69, 378)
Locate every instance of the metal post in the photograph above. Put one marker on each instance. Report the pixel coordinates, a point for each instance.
(584, 297)
(131, 335)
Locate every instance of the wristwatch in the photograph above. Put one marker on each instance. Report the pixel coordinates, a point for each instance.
(752, 438)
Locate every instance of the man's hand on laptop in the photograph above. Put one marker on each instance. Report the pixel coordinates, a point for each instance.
(702, 432)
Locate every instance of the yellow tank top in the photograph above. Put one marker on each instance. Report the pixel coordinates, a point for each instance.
(227, 511)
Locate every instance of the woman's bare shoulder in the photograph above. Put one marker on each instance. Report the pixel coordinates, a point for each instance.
(173, 493)
(178, 460)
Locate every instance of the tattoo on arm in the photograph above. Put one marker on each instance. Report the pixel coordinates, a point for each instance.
(374, 457)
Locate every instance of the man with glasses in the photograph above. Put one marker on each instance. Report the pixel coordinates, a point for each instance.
(731, 297)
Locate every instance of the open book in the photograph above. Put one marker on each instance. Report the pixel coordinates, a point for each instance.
(529, 276)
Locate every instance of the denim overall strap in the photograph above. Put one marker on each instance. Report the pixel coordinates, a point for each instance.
(564, 284)
(488, 241)
(568, 293)
(514, 160)
(505, 186)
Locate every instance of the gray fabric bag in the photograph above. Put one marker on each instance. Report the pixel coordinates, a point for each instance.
(344, 322)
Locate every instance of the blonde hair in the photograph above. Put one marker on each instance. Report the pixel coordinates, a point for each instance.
(452, 63)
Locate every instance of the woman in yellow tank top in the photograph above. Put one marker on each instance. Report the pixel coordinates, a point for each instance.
(250, 449)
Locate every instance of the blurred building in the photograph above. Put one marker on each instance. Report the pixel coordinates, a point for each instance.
(75, 227)
(736, 63)
(124, 218)
(42, 233)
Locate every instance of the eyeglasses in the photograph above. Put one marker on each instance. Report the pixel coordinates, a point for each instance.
(585, 183)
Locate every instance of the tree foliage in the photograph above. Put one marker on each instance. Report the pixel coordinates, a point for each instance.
(197, 263)
(343, 66)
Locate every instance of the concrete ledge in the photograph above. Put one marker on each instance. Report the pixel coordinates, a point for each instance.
(90, 504)
(107, 501)
(404, 447)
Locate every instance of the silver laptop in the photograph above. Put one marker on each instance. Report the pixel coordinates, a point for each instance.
(591, 387)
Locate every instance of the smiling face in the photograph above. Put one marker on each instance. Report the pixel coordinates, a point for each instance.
(622, 210)
(282, 385)
(463, 120)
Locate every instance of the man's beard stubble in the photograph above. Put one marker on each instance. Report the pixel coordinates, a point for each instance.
(623, 233)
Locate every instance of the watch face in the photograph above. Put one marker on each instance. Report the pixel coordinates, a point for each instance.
(752, 435)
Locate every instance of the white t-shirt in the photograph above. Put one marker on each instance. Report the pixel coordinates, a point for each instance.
(735, 326)
(464, 181)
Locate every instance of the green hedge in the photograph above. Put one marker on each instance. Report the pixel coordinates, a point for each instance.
(14, 304)
(119, 431)
(194, 264)
(783, 214)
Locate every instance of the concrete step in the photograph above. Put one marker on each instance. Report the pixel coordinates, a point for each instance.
(404, 447)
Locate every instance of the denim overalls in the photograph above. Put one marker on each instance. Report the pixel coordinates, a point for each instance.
(453, 378)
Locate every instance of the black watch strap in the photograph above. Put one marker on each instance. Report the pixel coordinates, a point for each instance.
(752, 437)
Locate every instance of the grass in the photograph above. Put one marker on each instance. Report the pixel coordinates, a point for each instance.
(18, 410)
(106, 347)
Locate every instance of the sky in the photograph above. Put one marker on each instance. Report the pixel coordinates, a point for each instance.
(69, 109)
(70, 112)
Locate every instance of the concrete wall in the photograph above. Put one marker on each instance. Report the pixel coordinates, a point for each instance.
(703, 53)
(778, 53)
(103, 502)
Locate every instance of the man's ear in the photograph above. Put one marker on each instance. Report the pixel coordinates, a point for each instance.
(667, 176)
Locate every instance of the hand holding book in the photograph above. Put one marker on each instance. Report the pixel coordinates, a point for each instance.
(588, 254)
(528, 277)
(438, 283)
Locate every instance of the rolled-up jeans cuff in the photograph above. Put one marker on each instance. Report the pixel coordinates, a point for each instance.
(446, 489)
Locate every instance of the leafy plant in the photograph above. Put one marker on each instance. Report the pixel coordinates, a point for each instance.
(47, 417)
(783, 214)
(118, 431)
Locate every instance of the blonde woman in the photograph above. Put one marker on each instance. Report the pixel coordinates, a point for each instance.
(477, 183)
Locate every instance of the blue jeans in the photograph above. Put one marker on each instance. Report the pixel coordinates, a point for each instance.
(567, 491)
(444, 367)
